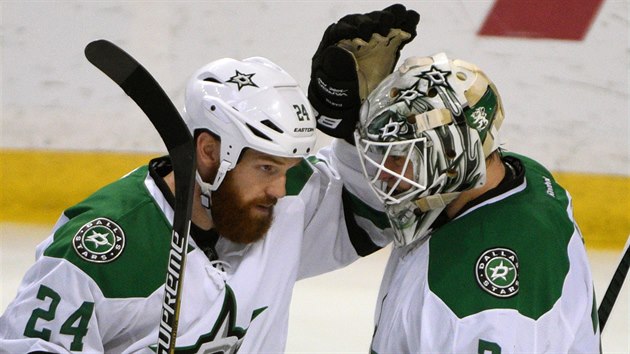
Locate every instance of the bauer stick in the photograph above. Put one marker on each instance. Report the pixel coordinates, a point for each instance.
(138, 83)
(614, 288)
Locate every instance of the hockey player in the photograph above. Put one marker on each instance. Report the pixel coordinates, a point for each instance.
(263, 217)
(488, 257)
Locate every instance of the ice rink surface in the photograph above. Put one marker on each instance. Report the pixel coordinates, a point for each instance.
(331, 313)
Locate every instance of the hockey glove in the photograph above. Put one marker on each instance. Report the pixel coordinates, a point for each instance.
(354, 56)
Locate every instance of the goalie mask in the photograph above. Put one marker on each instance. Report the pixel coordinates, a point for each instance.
(423, 137)
(251, 103)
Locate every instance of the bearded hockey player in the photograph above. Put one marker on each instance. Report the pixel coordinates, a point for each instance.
(263, 217)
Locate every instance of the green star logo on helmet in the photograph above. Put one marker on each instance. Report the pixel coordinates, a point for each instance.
(497, 272)
(99, 241)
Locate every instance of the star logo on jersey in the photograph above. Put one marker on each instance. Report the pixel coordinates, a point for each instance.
(497, 272)
(242, 80)
(99, 241)
(225, 336)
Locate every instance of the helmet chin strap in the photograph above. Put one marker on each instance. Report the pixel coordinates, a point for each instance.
(207, 188)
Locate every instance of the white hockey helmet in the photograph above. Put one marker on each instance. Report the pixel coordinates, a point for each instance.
(439, 118)
(252, 103)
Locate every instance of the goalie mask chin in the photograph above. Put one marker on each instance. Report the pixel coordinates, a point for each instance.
(423, 137)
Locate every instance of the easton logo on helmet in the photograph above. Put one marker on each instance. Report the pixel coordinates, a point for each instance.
(497, 272)
(99, 241)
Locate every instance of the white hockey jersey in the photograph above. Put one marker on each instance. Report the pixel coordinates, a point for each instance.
(508, 275)
(98, 281)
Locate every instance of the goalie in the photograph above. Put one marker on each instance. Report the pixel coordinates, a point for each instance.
(488, 257)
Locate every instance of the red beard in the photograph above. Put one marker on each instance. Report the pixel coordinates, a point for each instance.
(237, 219)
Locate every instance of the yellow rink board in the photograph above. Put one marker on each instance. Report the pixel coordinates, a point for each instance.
(37, 185)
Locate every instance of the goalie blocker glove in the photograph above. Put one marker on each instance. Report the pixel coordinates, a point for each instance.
(355, 54)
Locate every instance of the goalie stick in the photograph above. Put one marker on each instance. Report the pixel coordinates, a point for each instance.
(138, 83)
(614, 288)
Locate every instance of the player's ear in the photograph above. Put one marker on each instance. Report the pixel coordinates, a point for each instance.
(208, 149)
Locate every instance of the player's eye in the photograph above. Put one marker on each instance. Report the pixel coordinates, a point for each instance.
(268, 168)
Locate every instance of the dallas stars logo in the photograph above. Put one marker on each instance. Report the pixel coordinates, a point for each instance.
(99, 241)
(436, 77)
(390, 129)
(435, 82)
(497, 272)
(242, 80)
(225, 336)
(388, 126)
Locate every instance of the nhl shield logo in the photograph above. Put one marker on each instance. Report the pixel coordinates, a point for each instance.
(99, 241)
(497, 272)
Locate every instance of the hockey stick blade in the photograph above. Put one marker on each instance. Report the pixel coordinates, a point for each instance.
(138, 84)
(614, 288)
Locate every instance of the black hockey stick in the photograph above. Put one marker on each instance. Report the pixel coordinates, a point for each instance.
(136, 81)
(614, 288)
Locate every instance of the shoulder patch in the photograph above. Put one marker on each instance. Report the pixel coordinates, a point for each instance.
(497, 272)
(99, 241)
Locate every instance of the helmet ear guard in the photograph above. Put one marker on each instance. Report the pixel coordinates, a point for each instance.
(451, 112)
